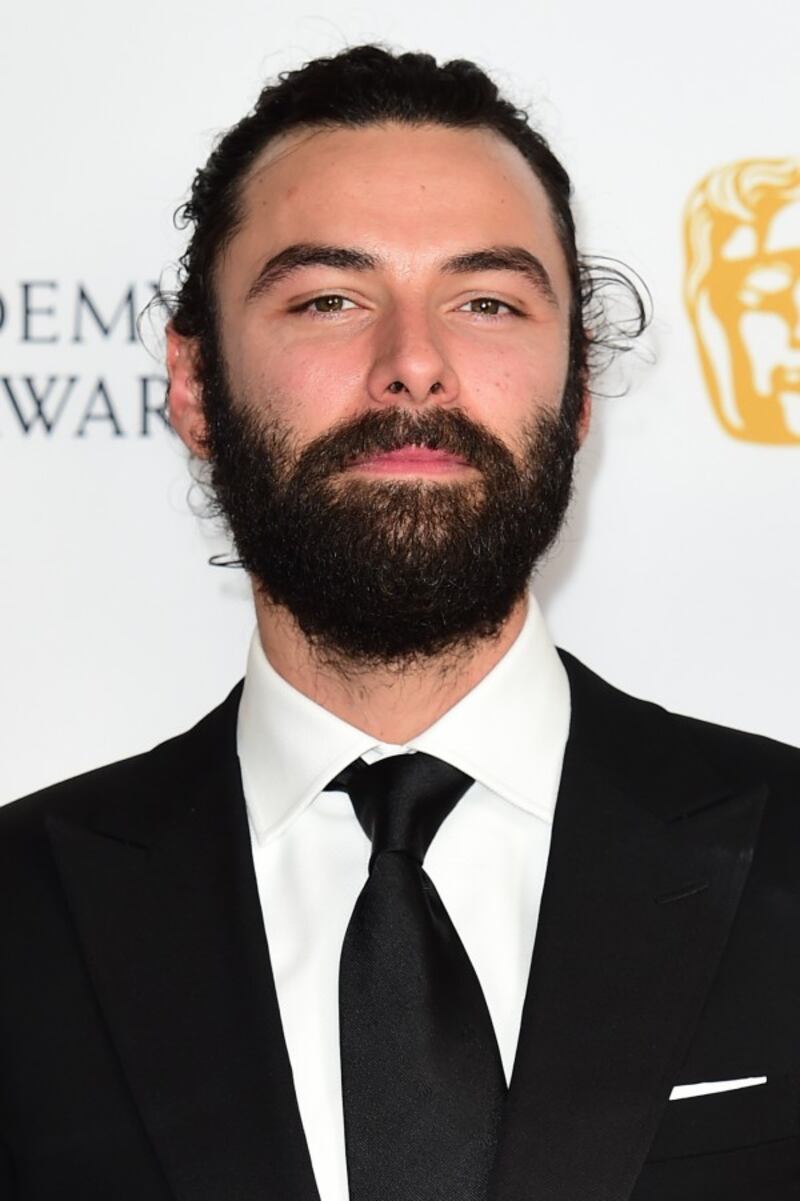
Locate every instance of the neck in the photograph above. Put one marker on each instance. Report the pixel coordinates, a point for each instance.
(391, 705)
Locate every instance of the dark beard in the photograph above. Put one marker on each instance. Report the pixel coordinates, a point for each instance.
(384, 572)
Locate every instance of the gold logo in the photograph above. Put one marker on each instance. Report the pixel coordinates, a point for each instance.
(742, 290)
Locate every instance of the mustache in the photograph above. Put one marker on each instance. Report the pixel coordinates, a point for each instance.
(381, 431)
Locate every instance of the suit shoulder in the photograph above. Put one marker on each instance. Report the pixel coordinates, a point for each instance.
(640, 729)
(74, 799)
(742, 749)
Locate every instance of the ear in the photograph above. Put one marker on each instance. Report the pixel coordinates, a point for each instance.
(185, 392)
(585, 418)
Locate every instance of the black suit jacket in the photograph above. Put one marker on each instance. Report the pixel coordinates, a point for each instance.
(141, 1052)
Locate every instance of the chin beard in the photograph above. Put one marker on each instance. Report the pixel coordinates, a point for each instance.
(383, 573)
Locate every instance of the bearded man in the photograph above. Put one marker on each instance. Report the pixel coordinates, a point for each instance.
(424, 911)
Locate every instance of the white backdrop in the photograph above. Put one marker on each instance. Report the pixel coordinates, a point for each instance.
(678, 576)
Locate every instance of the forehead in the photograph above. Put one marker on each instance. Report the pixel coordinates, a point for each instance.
(407, 193)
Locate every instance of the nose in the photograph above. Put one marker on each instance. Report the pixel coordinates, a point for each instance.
(410, 361)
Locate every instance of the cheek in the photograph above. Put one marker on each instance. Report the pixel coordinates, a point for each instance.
(304, 387)
(507, 386)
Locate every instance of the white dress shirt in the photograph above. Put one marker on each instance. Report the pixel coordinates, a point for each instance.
(487, 861)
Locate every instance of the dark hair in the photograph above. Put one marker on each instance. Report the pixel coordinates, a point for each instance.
(365, 85)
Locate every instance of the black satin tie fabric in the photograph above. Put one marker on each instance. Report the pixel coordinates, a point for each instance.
(422, 1080)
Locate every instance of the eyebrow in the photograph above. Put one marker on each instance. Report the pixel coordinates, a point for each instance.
(294, 258)
(505, 258)
(308, 254)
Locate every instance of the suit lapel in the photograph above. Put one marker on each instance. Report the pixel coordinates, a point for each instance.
(161, 887)
(649, 854)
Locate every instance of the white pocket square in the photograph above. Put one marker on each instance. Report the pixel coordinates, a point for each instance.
(682, 1091)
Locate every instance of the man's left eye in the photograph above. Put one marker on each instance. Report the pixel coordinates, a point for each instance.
(331, 303)
(489, 306)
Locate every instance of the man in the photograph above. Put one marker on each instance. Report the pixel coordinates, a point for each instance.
(381, 348)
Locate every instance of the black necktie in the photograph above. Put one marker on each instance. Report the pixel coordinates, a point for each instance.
(422, 1081)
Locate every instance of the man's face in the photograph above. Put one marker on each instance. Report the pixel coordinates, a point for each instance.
(414, 199)
(382, 403)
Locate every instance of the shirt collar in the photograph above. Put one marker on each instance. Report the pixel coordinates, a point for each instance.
(508, 732)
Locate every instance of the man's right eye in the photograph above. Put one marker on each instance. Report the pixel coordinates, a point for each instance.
(323, 305)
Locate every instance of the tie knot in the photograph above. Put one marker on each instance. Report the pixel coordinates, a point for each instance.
(401, 801)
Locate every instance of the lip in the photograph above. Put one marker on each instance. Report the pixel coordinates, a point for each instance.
(409, 459)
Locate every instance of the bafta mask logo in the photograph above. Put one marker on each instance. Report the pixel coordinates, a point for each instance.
(742, 290)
